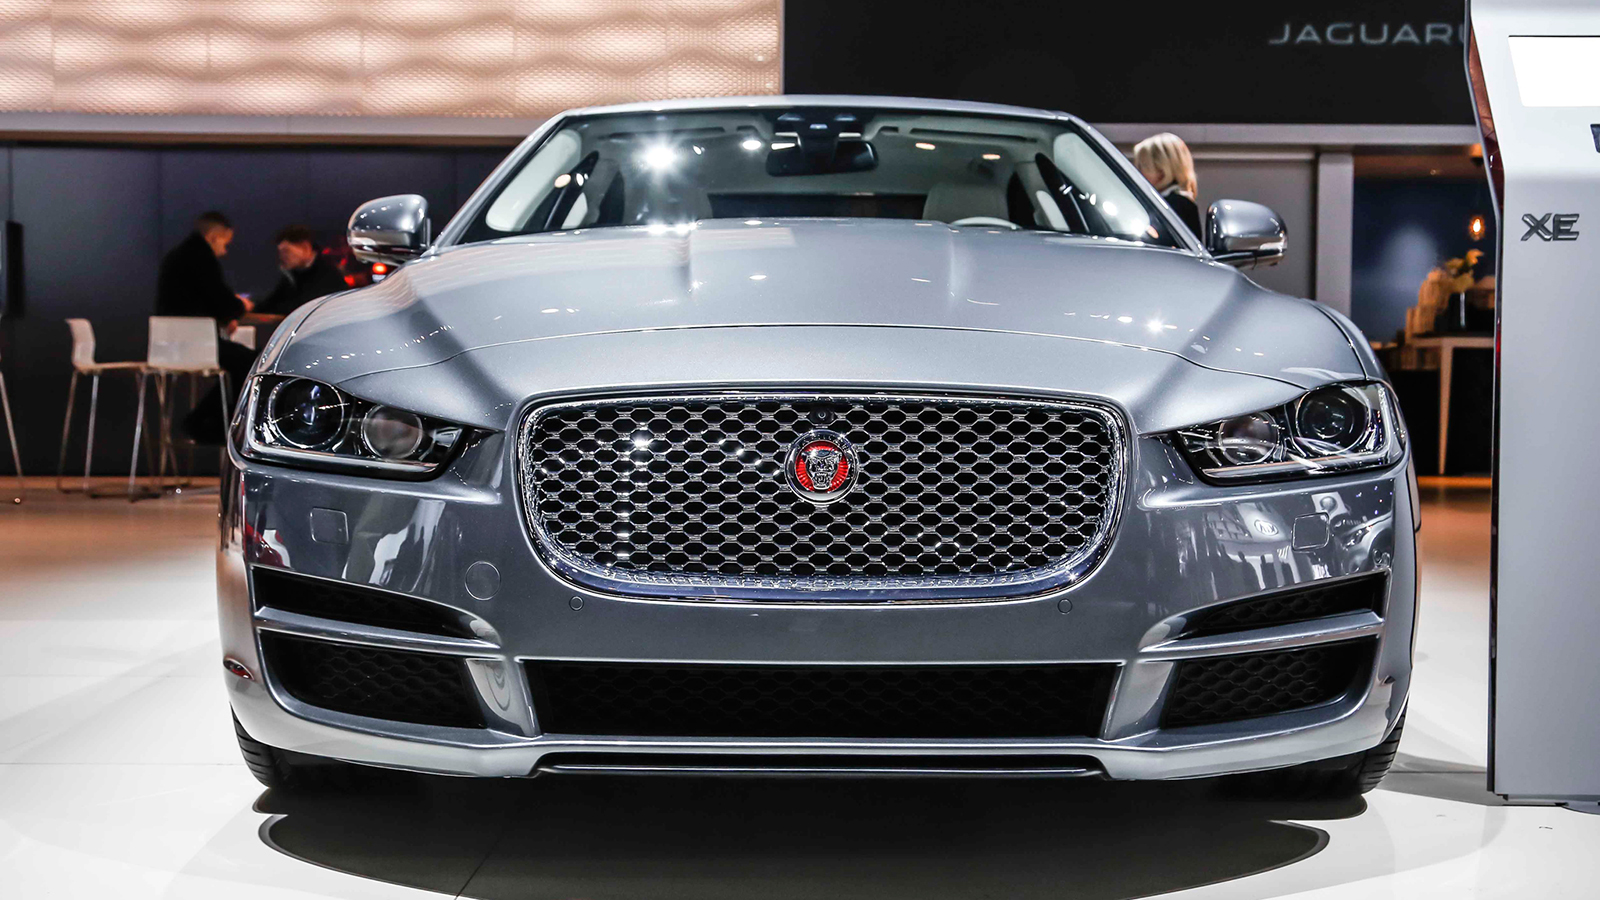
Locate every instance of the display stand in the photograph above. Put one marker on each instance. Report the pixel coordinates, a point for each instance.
(1535, 72)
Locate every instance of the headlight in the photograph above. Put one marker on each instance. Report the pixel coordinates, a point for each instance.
(298, 421)
(1339, 428)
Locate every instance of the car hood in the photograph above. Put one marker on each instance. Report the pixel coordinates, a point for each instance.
(817, 272)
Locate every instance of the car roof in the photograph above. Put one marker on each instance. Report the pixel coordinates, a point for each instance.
(777, 100)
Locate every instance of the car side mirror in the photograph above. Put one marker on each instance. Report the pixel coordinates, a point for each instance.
(1244, 234)
(390, 229)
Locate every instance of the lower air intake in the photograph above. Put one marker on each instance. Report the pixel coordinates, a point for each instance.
(821, 765)
(654, 700)
(1229, 688)
(352, 603)
(423, 688)
(1300, 604)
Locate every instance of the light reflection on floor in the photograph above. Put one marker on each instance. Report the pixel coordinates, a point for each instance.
(119, 778)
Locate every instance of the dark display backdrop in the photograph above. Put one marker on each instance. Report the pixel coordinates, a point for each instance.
(97, 219)
(1409, 226)
(1248, 62)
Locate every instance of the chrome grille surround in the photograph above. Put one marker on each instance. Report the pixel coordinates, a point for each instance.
(1061, 471)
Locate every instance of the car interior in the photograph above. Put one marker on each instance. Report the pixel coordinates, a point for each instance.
(966, 171)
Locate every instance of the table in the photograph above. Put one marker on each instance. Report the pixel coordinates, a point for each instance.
(1447, 344)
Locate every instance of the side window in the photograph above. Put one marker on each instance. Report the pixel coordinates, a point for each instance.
(1071, 205)
(1106, 202)
(596, 200)
(530, 188)
(566, 205)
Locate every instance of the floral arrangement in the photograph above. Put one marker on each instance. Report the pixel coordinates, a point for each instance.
(1453, 277)
(1459, 272)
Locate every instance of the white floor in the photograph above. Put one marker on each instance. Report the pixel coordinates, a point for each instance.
(119, 778)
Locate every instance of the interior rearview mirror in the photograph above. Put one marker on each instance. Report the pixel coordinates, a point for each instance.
(821, 155)
(1244, 234)
(390, 229)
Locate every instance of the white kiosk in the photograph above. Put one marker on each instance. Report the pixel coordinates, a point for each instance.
(1535, 72)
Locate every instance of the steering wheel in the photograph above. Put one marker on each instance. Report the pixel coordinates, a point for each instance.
(990, 221)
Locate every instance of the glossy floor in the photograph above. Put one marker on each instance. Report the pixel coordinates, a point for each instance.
(119, 778)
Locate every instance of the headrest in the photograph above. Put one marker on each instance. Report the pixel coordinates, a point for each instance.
(682, 201)
(949, 201)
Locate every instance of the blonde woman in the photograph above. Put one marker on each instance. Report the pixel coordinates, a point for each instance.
(1164, 161)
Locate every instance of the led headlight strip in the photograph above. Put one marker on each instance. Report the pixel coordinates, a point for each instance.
(1333, 429)
(306, 423)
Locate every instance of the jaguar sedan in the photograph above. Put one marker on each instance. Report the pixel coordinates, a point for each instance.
(818, 435)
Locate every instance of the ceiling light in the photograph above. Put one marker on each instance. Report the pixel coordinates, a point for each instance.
(751, 144)
(924, 145)
(659, 158)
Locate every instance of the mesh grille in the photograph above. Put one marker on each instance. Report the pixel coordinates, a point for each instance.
(1227, 688)
(366, 681)
(1355, 595)
(691, 492)
(347, 603)
(820, 701)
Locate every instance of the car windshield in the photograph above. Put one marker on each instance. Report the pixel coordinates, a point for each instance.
(671, 169)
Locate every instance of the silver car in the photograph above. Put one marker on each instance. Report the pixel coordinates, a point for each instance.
(819, 435)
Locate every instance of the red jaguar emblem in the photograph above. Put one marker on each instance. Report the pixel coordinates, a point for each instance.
(821, 466)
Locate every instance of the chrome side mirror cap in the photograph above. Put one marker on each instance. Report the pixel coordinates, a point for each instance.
(1244, 234)
(390, 229)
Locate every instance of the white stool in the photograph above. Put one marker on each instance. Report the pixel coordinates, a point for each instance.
(11, 432)
(179, 345)
(83, 364)
(244, 335)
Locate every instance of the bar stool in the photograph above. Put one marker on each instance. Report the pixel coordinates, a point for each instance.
(84, 365)
(11, 432)
(179, 345)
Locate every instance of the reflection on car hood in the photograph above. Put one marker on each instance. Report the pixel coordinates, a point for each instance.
(817, 272)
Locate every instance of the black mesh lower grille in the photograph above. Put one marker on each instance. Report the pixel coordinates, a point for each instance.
(1228, 688)
(820, 701)
(1298, 605)
(350, 603)
(424, 688)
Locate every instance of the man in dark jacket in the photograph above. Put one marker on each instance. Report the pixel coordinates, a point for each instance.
(190, 283)
(307, 273)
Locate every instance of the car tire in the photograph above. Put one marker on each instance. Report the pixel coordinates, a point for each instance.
(1330, 779)
(1375, 763)
(283, 770)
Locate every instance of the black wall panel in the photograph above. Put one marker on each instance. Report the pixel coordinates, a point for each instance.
(260, 190)
(91, 245)
(10, 304)
(97, 220)
(471, 170)
(1246, 61)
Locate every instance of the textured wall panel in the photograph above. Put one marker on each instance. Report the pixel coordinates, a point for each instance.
(26, 74)
(494, 58)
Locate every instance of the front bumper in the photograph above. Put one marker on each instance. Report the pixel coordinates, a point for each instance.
(1180, 546)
